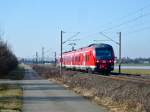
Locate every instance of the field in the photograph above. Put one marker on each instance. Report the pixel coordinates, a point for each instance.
(10, 98)
(134, 71)
(133, 64)
(11, 94)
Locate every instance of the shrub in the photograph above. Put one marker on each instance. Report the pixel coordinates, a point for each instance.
(8, 60)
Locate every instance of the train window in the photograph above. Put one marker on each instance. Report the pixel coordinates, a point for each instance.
(104, 53)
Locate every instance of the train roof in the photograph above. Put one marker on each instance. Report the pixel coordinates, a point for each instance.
(100, 45)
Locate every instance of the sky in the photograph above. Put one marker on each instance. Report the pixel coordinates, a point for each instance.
(29, 25)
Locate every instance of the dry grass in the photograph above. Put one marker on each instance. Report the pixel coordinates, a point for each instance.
(134, 71)
(11, 94)
(117, 95)
(10, 98)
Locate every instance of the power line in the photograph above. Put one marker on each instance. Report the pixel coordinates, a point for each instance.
(88, 35)
(130, 14)
(118, 25)
(69, 39)
(121, 24)
(139, 30)
(127, 22)
(101, 33)
(73, 44)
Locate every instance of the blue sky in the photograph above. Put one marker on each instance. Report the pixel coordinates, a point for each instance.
(30, 24)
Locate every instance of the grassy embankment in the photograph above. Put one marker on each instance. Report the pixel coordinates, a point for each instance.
(10, 98)
(134, 64)
(134, 71)
(11, 94)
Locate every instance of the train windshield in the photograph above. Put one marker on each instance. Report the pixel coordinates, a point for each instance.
(103, 53)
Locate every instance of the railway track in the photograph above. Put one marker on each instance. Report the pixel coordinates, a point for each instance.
(124, 77)
(113, 76)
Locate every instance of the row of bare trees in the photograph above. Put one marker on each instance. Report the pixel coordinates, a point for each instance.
(8, 60)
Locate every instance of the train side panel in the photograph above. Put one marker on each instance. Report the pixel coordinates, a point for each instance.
(88, 59)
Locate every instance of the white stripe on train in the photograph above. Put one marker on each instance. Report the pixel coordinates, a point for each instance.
(82, 67)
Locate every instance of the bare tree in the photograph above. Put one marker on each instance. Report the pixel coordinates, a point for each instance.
(8, 60)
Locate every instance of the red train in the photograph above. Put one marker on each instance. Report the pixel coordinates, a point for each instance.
(94, 58)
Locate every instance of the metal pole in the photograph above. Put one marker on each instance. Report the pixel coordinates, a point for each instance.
(72, 48)
(36, 57)
(119, 52)
(55, 58)
(61, 52)
(42, 55)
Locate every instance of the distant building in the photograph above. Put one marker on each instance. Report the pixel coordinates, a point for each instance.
(146, 62)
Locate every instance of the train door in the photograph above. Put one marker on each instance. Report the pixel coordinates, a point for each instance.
(83, 62)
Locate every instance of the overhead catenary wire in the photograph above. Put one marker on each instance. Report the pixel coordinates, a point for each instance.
(123, 23)
(119, 25)
(139, 30)
(70, 38)
(101, 33)
(127, 22)
(129, 14)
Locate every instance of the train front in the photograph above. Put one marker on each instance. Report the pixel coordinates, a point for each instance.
(104, 58)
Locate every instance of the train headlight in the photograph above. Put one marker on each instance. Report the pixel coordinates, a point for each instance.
(110, 61)
(97, 61)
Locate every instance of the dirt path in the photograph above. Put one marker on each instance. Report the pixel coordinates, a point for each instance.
(42, 95)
